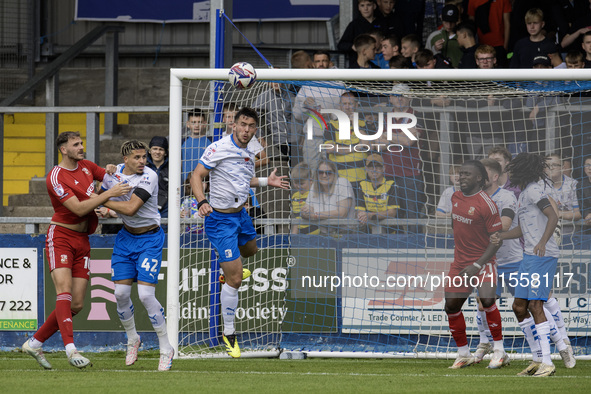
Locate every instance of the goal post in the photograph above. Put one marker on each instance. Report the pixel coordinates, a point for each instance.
(339, 286)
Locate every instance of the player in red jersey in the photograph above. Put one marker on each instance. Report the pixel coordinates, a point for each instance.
(71, 188)
(475, 218)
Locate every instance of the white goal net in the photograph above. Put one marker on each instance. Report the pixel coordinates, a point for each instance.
(361, 277)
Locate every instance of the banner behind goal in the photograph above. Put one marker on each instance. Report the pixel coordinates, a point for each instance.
(361, 272)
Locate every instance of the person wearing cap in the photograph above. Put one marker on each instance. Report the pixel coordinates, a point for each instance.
(158, 161)
(376, 195)
(536, 44)
(445, 41)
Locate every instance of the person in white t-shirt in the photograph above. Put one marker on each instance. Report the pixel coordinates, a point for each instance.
(537, 221)
(137, 254)
(229, 163)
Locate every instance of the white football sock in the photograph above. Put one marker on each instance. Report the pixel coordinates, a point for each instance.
(554, 308)
(554, 333)
(528, 327)
(125, 311)
(543, 330)
(464, 351)
(70, 348)
(229, 301)
(35, 343)
(483, 330)
(155, 311)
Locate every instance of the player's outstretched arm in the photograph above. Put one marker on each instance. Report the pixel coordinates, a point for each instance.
(272, 180)
(83, 208)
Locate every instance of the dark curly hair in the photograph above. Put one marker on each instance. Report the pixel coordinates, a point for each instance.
(526, 168)
(480, 167)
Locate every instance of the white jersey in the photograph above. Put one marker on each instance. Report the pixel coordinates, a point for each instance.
(253, 145)
(148, 214)
(232, 168)
(565, 196)
(445, 200)
(532, 221)
(511, 250)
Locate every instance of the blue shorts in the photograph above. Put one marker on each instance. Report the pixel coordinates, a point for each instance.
(535, 277)
(505, 279)
(228, 231)
(137, 257)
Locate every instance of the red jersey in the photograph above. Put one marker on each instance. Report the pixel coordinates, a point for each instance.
(63, 184)
(474, 218)
(406, 163)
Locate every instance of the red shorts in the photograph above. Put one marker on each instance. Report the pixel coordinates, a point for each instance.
(67, 248)
(455, 283)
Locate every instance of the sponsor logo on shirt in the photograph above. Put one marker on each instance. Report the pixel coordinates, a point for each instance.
(90, 190)
(461, 219)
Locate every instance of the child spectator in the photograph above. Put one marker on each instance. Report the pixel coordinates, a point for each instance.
(195, 144)
(390, 47)
(391, 22)
(445, 41)
(575, 59)
(190, 210)
(444, 205)
(400, 62)
(301, 181)
(486, 57)
(360, 25)
(536, 44)
(376, 195)
(378, 59)
(365, 47)
(409, 46)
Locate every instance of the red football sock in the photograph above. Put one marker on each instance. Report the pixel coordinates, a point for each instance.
(63, 314)
(493, 317)
(457, 326)
(48, 328)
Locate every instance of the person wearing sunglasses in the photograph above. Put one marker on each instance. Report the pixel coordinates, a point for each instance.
(331, 197)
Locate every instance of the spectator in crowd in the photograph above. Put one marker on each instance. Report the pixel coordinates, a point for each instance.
(578, 27)
(486, 57)
(365, 47)
(444, 205)
(502, 155)
(405, 166)
(445, 41)
(390, 21)
(519, 9)
(342, 151)
(587, 48)
(390, 47)
(378, 59)
(425, 59)
(574, 59)
(411, 16)
(376, 195)
(308, 100)
(467, 41)
(257, 144)
(273, 106)
(321, 60)
(195, 144)
(400, 62)
(331, 197)
(562, 189)
(301, 59)
(360, 25)
(190, 208)
(409, 46)
(158, 161)
(493, 24)
(301, 181)
(536, 44)
(584, 194)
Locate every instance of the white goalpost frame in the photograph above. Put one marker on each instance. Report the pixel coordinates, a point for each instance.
(175, 137)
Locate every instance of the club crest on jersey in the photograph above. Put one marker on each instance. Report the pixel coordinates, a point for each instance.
(59, 190)
(471, 211)
(85, 170)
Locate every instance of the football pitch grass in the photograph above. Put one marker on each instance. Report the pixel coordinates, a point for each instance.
(21, 374)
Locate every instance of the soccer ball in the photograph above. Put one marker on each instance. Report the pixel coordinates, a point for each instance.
(242, 75)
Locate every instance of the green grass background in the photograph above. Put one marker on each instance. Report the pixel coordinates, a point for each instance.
(19, 373)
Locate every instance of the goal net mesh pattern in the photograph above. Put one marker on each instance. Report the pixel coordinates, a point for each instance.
(353, 282)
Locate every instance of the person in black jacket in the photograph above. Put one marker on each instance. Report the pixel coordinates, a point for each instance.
(360, 25)
(158, 161)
